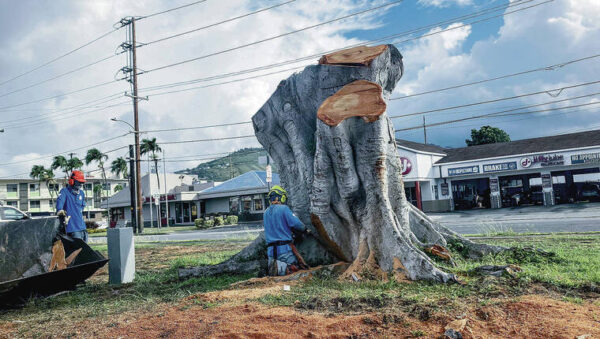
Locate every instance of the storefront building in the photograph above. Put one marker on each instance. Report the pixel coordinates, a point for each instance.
(541, 171)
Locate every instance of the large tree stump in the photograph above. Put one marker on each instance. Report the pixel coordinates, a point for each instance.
(337, 155)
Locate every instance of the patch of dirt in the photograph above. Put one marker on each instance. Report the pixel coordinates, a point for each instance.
(531, 316)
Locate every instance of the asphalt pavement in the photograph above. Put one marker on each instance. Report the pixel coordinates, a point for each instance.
(561, 218)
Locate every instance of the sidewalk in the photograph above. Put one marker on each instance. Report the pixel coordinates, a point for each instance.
(527, 213)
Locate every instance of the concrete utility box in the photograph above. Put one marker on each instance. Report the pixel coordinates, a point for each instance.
(121, 253)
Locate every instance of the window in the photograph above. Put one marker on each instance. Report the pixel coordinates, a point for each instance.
(234, 205)
(258, 203)
(34, 204)
(13, 204)
(34, 187)
(89, 202)
(87, 187)
(106, 186)
(53, 187)
(11, 188)
(11, 214)
(246, 203)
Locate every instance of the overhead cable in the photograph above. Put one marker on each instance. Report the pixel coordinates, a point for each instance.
(216, 23)
(272, 37)
(60, 56)
(170, 10)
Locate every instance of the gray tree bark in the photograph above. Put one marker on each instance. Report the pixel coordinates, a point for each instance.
(344, 181)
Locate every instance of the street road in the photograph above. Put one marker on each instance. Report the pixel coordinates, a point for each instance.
(564, 218)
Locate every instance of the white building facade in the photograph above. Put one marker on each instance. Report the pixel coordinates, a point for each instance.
(541, 171)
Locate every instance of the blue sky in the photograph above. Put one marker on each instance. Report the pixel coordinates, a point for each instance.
(35, 32)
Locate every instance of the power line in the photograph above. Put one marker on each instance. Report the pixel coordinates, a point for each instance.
(497, 114)
(547, 68)
(59, 95)
(272, 37)
(196, 127)
(170, 10)
(60, 56)
(72, 150)
(65, 110)
(59, 76)
(559, 90)
(311, 57)
(204, 140)
(216, 23)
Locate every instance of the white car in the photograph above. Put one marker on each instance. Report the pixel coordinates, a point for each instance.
(9, 213)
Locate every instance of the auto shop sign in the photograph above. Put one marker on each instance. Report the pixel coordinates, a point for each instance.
(406, 165)
(543, 160)
(587, 158)
(503, 166)
(463, 170)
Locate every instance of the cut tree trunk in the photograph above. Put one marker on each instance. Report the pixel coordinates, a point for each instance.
(338, 160)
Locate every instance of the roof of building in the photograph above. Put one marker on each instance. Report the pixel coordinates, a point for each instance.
(417, 146)
(524, 146)
(248, 180)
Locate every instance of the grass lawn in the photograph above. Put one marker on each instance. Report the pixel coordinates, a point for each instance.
(571, 275)
(153, 230)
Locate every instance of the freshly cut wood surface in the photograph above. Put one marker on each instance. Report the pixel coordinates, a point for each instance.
(58, 261)
(360, 98)
(361, 55)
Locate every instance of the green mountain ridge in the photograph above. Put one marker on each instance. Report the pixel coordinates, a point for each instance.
(230, 166)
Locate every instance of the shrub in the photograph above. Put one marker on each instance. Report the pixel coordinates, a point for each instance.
(219, 221)
(232, 219)
(96, 230)
(209, 223)
(199, 223)
(91, 225)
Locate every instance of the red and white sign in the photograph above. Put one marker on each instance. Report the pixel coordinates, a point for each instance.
(406, 165)
(526, 162)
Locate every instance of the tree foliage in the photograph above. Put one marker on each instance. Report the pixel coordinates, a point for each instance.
(487, 135)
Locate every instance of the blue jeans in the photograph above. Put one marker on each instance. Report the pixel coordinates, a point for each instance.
(283, 260)
(83, 235)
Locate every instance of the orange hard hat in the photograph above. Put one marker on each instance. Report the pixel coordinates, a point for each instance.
(76, 175)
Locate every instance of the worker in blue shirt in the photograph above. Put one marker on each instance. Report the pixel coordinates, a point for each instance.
(279, 221)
(70, 204)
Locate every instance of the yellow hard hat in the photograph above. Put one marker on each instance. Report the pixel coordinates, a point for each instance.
(277, 192)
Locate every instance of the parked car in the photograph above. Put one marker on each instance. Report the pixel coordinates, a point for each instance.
(590, 192)
(9, 213)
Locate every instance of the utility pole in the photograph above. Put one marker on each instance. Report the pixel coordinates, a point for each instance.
(166, 191)
(424, 130)
(132, 187)
(131, 70)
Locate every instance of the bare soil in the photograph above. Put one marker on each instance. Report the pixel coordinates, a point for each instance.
(530, 316)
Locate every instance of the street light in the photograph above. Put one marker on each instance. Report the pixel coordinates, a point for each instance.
(125, 122)
(135, 180)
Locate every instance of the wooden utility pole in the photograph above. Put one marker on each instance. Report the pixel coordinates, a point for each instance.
(136, 124)
(424, 131)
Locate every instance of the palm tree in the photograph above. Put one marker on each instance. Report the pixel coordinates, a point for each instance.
(49, 179)
(60, 162)
(118, 167)
(149, 146)
(74, 163)
(118, 188)
(40, 173)
(95, 155)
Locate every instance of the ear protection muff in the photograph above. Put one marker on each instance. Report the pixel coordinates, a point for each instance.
(72, 179)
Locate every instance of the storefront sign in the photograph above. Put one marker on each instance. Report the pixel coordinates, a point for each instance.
(546, 180)
(526, 162)
(587, 158)
(549, 159)
(503, 166)
(463, 170)
(494, 185)
(406, 165)
(444, 189)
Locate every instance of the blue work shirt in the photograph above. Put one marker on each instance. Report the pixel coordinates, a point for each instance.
(279, 221)
(73, 203)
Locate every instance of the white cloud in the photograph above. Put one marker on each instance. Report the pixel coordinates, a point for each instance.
(82, 21)
(445, 3)
(548, 34)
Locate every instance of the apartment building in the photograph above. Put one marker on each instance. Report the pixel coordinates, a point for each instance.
(38, 198)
